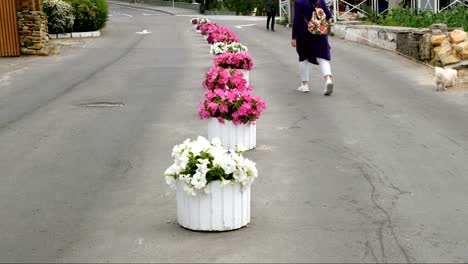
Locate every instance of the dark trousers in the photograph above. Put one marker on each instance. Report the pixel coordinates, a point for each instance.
(271, 15)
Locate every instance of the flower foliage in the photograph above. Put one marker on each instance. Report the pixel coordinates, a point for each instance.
(221, 78)
(239, 60)
(199, 162)
(221, 34)
(206, 27)
(240, 107)
(220, 47)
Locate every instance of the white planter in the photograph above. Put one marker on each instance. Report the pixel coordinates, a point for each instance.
(231, 135)
(246, 75)
(225, 207)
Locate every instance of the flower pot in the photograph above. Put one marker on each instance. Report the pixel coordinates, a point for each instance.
(231, 135)
(246, 75)
(224, 207)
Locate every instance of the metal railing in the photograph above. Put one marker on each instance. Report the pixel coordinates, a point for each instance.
(285, 10)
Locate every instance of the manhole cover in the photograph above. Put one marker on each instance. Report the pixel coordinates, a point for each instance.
(103, 104)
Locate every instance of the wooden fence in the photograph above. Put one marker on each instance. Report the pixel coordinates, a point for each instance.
(9, 39)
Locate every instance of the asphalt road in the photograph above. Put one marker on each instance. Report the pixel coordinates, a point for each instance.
(375, 173)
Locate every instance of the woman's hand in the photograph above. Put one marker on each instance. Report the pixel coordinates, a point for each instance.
(293, 43)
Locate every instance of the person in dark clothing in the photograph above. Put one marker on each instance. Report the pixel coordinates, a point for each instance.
(270, 6)
(311, 48)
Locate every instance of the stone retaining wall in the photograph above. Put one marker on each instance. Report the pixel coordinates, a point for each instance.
(436, 45)
(33, 32)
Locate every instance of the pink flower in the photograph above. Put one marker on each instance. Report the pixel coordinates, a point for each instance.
(220, 78)
(239, 60)
(221, 120)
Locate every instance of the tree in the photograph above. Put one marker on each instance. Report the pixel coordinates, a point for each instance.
(243, 7)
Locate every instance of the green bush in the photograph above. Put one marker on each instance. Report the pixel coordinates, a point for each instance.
(90, 15)
(453, 17)
(59, 16)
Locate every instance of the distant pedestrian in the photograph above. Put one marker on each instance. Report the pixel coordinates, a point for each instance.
(270, 6)
(312, 47)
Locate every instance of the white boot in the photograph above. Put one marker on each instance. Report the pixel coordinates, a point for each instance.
(328, 87)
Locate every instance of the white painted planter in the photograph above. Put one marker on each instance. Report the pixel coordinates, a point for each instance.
(231, 135)
(225, 207)
(246, 75)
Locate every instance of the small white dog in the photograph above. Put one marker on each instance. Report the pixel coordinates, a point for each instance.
(445, 78)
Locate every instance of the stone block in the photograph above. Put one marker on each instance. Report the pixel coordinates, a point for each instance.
(28, 51)
(425, 47)
(457, 36)
(447, 59)
(442, 27)
(438, 39)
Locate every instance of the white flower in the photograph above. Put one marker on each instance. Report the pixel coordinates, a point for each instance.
(218, 48)
(190, 190)
(182, 160)
(198, 180)
(216, 142)
(240, 175)
(236, 168)
(170, 180)
(240, 149)
(185, 178)
(203, 165)
(225, 162)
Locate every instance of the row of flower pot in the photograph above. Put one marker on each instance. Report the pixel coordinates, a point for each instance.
(211, 176)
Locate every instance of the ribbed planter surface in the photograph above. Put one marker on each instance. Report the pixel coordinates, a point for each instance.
(231, 135)
(225, 207)
(246, 75)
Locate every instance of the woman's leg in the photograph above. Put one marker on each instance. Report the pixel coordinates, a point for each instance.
(325, 69)
(268, 20)
(304, 73)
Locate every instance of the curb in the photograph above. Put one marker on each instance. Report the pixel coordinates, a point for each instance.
(90, 34)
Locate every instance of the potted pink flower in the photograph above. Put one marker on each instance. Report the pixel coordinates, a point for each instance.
(205, 27)
(233, 115)
(239, 60)
(221, 34)
(221, 78)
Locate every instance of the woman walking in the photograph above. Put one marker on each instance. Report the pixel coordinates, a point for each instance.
(311, 48)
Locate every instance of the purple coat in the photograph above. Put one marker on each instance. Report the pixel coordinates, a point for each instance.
(309, 46)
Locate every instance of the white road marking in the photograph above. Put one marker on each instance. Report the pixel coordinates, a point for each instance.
(144, 32)
(248, 25)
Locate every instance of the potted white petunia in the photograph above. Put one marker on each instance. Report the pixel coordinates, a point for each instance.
(213, 185)
(219, 48)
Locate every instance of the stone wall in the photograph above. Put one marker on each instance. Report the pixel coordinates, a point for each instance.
(449, 47)
(33, 32)
(435, 45)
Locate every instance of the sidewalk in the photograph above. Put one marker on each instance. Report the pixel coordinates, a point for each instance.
(164, 9)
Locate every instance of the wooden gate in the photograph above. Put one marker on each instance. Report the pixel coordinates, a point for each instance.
(9, 39)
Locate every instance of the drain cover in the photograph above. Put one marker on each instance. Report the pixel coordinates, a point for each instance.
(103, 104)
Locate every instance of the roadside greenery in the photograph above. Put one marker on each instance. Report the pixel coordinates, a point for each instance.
(454, 17)
(59, 16)
(90, 15)
(75, 15)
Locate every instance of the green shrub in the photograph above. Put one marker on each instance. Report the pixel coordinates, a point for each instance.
(453, 17)
(59, 16)
(90, 15)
